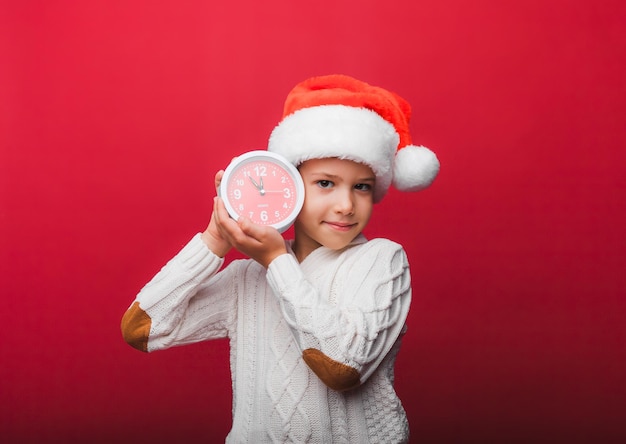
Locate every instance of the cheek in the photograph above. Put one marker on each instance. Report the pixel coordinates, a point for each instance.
(312, 201)
(366, 207)
(303, 214)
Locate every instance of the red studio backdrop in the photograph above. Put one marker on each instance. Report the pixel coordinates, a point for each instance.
(115, 115)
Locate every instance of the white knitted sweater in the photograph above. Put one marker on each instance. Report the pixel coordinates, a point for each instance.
(351, 305)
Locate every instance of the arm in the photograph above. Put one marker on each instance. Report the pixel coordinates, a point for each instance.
(187, 301)
(171, 308)
(344, 342)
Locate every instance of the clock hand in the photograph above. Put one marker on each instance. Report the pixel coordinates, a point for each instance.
(256, 185)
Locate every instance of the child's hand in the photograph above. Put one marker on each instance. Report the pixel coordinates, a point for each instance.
(261, 243)
(211, 236)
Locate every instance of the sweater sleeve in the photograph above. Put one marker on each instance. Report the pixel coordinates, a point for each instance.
(187, 301)
(343, 337)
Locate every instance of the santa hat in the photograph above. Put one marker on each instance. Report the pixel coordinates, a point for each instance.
(339, 116)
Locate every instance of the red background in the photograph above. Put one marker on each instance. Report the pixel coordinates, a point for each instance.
(114, 116)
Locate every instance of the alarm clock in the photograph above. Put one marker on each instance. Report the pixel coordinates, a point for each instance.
(263, 187)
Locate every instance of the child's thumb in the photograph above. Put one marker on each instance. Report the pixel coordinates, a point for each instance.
(247, 226)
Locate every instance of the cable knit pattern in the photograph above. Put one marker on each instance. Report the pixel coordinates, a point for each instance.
(356, 329)
(351, 305)
(286, 386)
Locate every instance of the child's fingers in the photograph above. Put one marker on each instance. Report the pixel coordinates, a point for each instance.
(218, 180)
(251, 230)
(221, 215)
(260, 233)
(261, 243)
(227, 226)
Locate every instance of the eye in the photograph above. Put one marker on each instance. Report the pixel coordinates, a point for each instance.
(363, 187)
(324, 183)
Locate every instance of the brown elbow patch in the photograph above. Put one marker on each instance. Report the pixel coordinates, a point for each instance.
(334, 374)
(136, 326)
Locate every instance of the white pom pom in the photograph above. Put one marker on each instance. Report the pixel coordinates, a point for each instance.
(414, 168)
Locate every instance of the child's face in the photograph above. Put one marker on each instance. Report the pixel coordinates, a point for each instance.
(337, 205)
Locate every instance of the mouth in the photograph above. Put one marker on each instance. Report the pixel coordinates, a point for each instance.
(341, 226)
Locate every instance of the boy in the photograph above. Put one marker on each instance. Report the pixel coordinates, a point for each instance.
(314, 323)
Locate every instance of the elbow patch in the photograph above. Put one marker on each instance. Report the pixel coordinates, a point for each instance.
(136, 326)
(334, 374)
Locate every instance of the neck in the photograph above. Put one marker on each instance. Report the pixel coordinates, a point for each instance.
(300, 254)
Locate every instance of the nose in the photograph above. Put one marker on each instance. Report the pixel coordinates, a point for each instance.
(344, 203)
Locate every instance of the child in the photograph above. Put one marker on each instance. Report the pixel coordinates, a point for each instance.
(314, 323)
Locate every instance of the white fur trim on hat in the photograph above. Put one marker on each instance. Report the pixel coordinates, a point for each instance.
(340, 131)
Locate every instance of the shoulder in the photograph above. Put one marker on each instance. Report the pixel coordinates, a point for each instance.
(376, 256)
(380, 247)
(383, 243)
(375, 273)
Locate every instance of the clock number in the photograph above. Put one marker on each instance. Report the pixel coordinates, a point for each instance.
(260, 170)
(237, 193)
(264, 216)
(287, 193)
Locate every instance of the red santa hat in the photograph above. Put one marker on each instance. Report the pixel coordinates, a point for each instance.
(339, 116)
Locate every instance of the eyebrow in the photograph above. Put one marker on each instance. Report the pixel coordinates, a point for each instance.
(337, 176)
(368, 179)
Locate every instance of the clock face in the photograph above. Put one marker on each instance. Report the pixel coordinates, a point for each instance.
(263, 187)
